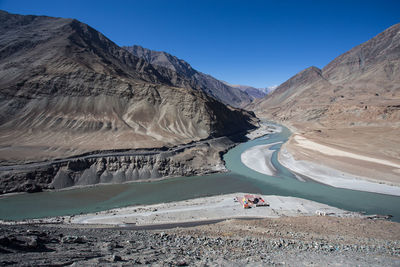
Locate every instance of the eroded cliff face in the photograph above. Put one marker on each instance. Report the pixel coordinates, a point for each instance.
(119, 167)
(67, 90)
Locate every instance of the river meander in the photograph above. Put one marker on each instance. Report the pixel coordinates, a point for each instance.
(239, 179)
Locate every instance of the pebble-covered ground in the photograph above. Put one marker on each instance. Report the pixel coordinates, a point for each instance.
(301, 241)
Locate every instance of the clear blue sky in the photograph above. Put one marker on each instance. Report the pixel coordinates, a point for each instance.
(257, 43)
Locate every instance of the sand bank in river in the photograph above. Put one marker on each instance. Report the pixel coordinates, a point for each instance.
(258, 158)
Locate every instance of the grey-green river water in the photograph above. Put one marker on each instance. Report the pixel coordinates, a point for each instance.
(239, 179)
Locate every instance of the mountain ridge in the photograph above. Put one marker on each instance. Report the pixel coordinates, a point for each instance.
(365, 76)
(255, 93)
(196, 79)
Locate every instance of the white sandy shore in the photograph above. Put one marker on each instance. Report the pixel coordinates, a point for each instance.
(196, 210)
(333, 177)
(258, 158)
(208, 208)
(308, 144)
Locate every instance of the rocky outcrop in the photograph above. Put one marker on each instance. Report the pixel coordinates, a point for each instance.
(195, 79)
(303, 241)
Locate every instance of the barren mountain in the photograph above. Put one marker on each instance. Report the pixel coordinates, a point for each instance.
(66, 89)
(195, 79)
(360, 87)
(351, 107)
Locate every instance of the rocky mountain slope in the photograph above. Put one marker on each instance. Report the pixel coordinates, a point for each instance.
(351, 106)
(193, 78)
(66, 89)
(360, 87)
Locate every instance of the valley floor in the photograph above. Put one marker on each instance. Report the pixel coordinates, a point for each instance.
(211, 231)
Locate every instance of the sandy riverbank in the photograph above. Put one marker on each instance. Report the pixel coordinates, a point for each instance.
(289, 231)
(340, 168)
(333, 177)
(358, 158)
(200, 209)
(330, 151)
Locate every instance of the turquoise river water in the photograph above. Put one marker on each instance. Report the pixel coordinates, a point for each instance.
(239, 179)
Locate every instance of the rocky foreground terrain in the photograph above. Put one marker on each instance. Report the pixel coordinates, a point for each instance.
(293, 241)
